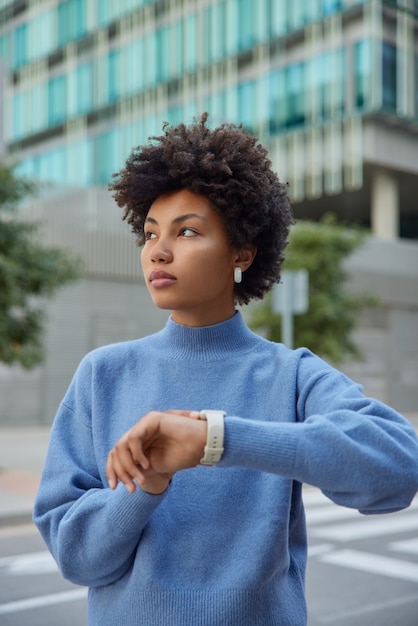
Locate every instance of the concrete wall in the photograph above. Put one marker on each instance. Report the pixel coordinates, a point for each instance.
(389, 334)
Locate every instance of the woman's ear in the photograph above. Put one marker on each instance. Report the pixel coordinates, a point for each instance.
(245, 256)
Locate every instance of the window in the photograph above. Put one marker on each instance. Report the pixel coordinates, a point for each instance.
(71, 21)
(163, 54)
(150, 60)
(20, 46)
(389, 76)
(295, 94)
(246, 105)
(84, 87)
(41, 35)
(39, 107)
(190, 40)
(362, 73)
(57, 98)
(107, 156)
(214, 45)
(178, 47)
(113, 91)
(278, 103)
(132, 67)
(246, 24)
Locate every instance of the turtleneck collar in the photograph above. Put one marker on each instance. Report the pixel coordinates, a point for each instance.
(207, 343)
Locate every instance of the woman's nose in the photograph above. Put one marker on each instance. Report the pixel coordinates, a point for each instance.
(161, 253)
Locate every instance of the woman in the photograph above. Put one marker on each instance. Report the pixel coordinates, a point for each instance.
(172, 485)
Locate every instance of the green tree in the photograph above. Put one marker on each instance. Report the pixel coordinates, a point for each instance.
(29, 273)
(320, 248)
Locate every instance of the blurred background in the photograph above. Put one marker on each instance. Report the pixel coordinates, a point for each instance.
(329, 87)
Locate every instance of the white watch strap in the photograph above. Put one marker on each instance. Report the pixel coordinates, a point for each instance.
(215, 437)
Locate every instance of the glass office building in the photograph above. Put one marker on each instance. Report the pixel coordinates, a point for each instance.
(331, 86)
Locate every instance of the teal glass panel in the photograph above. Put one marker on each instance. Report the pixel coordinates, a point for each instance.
(41, 35)
(20, 46)
(215, 29)
(277, 11)
(175, 115)
(207, 34)
(339, 74)
(389, 76)
(296, 14)
(178, 48)
(231, 18)
(331, 6)
(57, 98)
(295, 94)
(190, 41)
(246, 105)
(5, 47)
(39, 107)
(132, 67)
(17, 116)
(163, 54)
(277, 101)
(215, 105)
(113, 75)
(231, 104)
(79, 163)
(107, 156)
(150, 60)
(321, 85)
(362, 73)
(84, 88)
(246, 24)
(71, 19)
(51, 166)
(103, 12)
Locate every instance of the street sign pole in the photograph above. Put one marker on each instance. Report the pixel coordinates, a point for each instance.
(290, 297)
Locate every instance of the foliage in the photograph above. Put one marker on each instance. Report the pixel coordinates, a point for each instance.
(29, 273)
(321, 247)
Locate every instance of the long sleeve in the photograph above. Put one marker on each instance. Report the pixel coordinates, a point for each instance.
(91, 531)
(361, 453)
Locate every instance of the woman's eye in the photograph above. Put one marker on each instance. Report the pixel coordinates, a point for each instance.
(149, 235)
(188, 232)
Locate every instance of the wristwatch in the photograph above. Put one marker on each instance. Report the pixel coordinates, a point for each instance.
(215, 436)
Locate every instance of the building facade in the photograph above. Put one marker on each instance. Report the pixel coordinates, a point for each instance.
(329, 86)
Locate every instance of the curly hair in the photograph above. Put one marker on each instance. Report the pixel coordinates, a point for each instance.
(233, 171)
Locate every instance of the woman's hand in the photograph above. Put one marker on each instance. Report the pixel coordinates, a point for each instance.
(156, 447)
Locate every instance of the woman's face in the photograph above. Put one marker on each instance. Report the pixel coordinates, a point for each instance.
(187, 262)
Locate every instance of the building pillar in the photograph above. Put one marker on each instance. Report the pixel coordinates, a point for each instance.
(384, 205)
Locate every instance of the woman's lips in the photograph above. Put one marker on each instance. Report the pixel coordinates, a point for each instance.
(161, 279)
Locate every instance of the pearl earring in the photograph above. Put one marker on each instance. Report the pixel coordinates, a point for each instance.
(238, 274)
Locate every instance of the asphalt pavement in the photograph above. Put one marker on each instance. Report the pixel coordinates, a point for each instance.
(22, 454)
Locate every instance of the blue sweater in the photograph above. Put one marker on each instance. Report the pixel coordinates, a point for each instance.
(224, 545)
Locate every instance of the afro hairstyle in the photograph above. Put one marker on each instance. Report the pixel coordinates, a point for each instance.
(233, 171)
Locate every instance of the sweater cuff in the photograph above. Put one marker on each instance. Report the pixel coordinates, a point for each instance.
(264, 446)
(130, 511)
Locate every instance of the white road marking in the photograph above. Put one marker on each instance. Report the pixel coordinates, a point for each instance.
(40, 601)
(320, 548)
(368, 527)
(339, 618)
(27, 564)
(410, 546)
(373, 564)
(321, 514)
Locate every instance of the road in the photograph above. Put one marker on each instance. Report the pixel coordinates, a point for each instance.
(362, 571)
